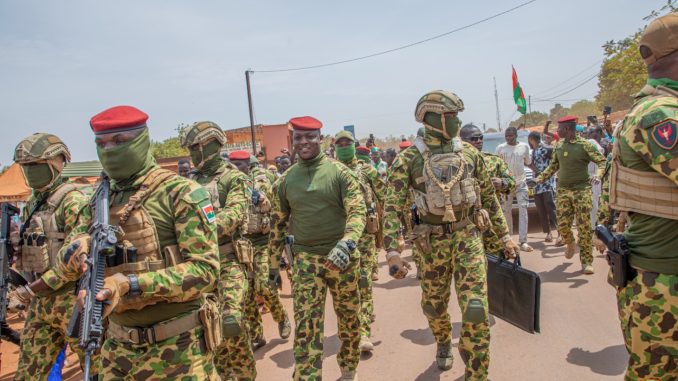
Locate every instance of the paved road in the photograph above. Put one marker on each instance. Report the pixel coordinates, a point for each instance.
(580, 337)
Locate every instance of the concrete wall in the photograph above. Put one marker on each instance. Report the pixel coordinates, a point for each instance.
(275, 138)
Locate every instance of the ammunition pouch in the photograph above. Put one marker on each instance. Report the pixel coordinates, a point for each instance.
(230, 326)
(372, 225)
(210, 317)
(421, 234)
(244, 251)
(34, 254)
(475, 312)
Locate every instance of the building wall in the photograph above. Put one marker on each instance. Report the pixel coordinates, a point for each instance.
(275, 138)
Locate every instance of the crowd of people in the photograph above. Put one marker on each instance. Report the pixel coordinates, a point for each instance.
(196, 250)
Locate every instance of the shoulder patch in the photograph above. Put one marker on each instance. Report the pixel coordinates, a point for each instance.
(208, 211)
(665, 134)
(656, 115)
(199, 194)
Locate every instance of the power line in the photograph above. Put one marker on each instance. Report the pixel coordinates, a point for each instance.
(572, 89)
(398, 48)
(570, 78)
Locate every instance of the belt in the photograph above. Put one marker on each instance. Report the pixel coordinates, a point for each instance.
(157, 333)
(449, 228)
(228, 251)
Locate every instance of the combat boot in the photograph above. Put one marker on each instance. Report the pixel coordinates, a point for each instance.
(285, 328)
(348, 375)
(258, 343)
(588, 270)
(365, 344)
(571, 249)
(444, 356)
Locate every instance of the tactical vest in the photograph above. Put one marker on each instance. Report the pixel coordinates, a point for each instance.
(259, 220)
(645, 192)
(372, 217)
(138, 250)
(43, 239)
(449, 184)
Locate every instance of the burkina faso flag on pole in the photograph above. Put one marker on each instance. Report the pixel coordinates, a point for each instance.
(518, 95)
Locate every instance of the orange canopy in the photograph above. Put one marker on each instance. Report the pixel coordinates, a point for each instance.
(13, 186)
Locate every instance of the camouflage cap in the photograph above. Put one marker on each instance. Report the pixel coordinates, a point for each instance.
(344, 135)
(40, 146)
(202, 132)
(660, 38)
(439, 102)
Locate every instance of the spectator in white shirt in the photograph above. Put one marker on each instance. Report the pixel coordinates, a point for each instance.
(517, 156)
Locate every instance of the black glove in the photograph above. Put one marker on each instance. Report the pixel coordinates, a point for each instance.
(256, 196)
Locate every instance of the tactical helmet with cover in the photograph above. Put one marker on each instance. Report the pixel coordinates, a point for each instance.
(433, 110)
(204, 141)
(37, 148)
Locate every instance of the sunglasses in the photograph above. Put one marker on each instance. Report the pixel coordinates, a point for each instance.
(476, 138)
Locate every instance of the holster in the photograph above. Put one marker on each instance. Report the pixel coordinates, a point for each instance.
(210, 317)
(481, 219)
(372, 223)
(620, 269)
(244, 251)
(420, 236)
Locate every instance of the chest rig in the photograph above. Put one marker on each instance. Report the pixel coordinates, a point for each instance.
(42, 238)
(449, 184)
(139, 250)
(372, 217)
(259, 220)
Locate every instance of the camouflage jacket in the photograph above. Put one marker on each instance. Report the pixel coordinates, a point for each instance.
(408, 167)
(497, 168)
(66, 214)
(232, 190)
(259, 180)
(180, 210)
(322, 201)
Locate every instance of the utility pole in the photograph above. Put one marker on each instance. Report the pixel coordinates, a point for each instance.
(249, 103)
(496, 102)
(529, 107)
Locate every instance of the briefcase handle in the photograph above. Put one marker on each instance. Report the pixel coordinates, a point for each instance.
(516, 260)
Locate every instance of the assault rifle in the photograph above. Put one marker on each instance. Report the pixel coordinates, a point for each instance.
(8, 211)
(617, 256)
(89, 321)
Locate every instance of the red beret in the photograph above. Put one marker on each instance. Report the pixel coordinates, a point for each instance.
(405, 144)
(118, 118)
(239, 155)
(362, 150)
(568, 119)
(305, 123)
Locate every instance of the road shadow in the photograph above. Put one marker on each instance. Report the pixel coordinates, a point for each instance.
(610, 361)
(260, 353)
(284, 359)
(409, 281)
(430, 374)
(424, 336)
(558, 275)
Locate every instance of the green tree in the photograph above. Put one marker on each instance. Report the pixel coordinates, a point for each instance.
(622, 75)
(584, 108)
(557, 112)
(170, 147)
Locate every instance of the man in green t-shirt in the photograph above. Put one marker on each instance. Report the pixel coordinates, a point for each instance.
(645, 164)
(574, 198)
(320, 200)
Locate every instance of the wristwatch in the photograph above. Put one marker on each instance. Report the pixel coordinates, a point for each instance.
(134, 288)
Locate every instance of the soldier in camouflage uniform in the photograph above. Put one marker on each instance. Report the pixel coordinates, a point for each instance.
(320, 200)
(160, 326)
(500, 175)
(574, 200)
(645, 161)
(50, 215)
(228, 193)
(373, 189)
(260, 192)
(456, 201)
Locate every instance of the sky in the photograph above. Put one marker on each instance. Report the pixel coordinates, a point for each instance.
(61, 62)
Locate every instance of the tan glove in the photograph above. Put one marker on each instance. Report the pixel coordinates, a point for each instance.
(511, 249)
(115, 287)
(397, 267)
(20, 298)
(75, 256)
(264, 204)
(599, 245)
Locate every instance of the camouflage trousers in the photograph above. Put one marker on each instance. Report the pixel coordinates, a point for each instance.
(234, 356)
(44, 335)
(576, 204)
(648, 307)
(310, 284)
(492, 243)
(368, 253)
(458, 257)
(261, 287)
(182, 357)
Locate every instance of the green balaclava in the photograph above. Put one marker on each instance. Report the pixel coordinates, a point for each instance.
(125, 160)
(345, 154)
(208, 153)
(38, 176)
(451, 125)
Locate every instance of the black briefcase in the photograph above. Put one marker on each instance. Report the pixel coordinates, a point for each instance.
(513, 293)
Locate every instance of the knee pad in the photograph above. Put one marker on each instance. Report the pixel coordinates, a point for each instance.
(475, 311)
(231, 326)
(430, 311)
